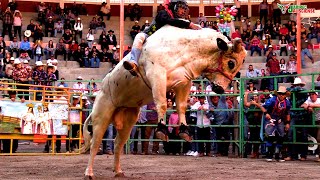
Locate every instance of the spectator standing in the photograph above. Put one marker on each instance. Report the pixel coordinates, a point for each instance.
(13, 5)
(305, 44)
(203, 126)
(136, 12)
(297, 99)
(152, 118)
(2, 47)
(291, 68)
(139, 129)
(14, 47)
(31, 27)
(263, 8)
(284, 31)
(274, 68)
(268, 29)
(78, 27)
(105, 10)
(39, 77)
(201, 18)
(254, 120)
(7, 22)
(220, 118)
(17, 24)
(79, 86)
(173, 122)
(116, 55)
(9, 68)
(21, 76)
(277, 122)
(276, 11)
(309, 105)
(238, 6)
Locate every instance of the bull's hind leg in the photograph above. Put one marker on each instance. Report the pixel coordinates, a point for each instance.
(101, 118)
(127, 118)
(158, 83)
(182, 93)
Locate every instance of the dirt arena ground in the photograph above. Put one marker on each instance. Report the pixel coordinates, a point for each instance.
(154, 167)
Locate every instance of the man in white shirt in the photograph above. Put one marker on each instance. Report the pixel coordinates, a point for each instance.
(79, 86)
(253, 73)
(313, 102)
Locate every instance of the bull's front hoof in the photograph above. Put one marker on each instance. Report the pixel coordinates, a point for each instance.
(119, 175)
(89, 177)
(185, 137)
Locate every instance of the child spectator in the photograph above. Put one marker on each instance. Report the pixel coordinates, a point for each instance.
(38, 50)
(255, 42)
(17, 23)
(283, 70)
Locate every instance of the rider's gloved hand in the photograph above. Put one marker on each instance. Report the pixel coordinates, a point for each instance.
(195, 26)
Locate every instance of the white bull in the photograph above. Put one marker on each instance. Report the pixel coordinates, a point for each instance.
(170, 59)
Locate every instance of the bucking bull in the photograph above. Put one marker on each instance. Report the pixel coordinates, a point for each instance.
(170, 59)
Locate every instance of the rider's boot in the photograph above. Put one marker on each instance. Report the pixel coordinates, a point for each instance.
(132, 64)
(162, 131)
(184, 133)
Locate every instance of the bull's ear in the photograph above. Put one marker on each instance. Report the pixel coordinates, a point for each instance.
(222, 45)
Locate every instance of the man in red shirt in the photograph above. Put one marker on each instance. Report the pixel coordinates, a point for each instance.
(274, 69)
(283, 31)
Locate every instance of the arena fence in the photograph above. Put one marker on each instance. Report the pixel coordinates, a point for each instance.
(239, 127)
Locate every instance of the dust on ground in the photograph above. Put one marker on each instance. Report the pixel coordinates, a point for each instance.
(155, 167)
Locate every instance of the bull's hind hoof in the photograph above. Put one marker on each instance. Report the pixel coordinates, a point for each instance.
(162, 136)
(89, 177)
(184, 133)
(185, 137)
(131, 67)
(119, 175)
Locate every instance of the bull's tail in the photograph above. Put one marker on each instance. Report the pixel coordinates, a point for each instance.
(86, 136)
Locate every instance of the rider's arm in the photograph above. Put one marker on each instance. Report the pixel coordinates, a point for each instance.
(164, 18)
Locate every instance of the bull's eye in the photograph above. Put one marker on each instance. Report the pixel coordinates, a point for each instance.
(231, 64)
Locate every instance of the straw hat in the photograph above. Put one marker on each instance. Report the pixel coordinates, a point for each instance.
(114, 48)
(12, 59)
(298, 81)
(282, 89)
(50, 65)
(118, 47)
(27, 33)
(147, 21)
(25, 61)
(17, 61)
(39, 63)
(79, 78)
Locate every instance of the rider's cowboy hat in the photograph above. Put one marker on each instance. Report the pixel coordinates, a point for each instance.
(282, 89)
(111, 31)
(27, 33)
(297, 81)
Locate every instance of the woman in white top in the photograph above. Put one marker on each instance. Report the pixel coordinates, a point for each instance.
(283, 70)
(78, 27)
(17, 23)
(283, 45)
(90, 38)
